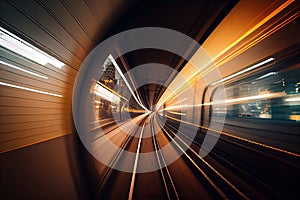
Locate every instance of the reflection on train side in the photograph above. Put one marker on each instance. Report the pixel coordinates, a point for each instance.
(273, 94)
(114, 95)
(108, 89)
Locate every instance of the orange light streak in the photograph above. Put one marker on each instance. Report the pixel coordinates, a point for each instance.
(220, 175)
(220, 59)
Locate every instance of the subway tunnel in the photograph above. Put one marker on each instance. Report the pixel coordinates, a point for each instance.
(118, 99)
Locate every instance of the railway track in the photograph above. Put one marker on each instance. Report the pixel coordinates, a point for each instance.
(231, 156)
(173, 181)
(156, 184)
(214, 179)
(223, 174)
(133, 185)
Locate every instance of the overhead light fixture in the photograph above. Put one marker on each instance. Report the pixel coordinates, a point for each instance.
(23, 48)
(29, 89)
(23, 70)
(243, 71)
(126, 82)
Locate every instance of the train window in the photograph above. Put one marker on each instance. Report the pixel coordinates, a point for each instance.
(273, 94)
(107, 93)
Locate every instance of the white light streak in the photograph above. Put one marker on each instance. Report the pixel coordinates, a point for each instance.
(23, 48)
(240, 99)
(243, 71)
(23, 70)
(135, 164)
(177, 113)
(261, 96)
(266, 75)
(126, 82)
(30, 89)
(292, 99)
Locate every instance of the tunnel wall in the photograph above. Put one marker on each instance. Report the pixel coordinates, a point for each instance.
(66, 30)
(37, 140)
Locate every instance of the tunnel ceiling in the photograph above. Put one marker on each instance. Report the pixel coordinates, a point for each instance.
(195, 18)
(70, 29)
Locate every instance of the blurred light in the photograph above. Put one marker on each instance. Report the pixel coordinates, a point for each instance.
(23, 70)
(30, 89)
(292, 99)
(105, 94)
(134, 110)
(240, 99)
(188, 106)
(243, 71)
(23, 48)
(177, 102)
(261, 96)
(176, 113)
(111, 90)
(254, 97)
(126, 82)
(295, 117)
(266, 75)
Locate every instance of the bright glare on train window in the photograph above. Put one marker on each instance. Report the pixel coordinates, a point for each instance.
(105, 94)
(23, 48)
